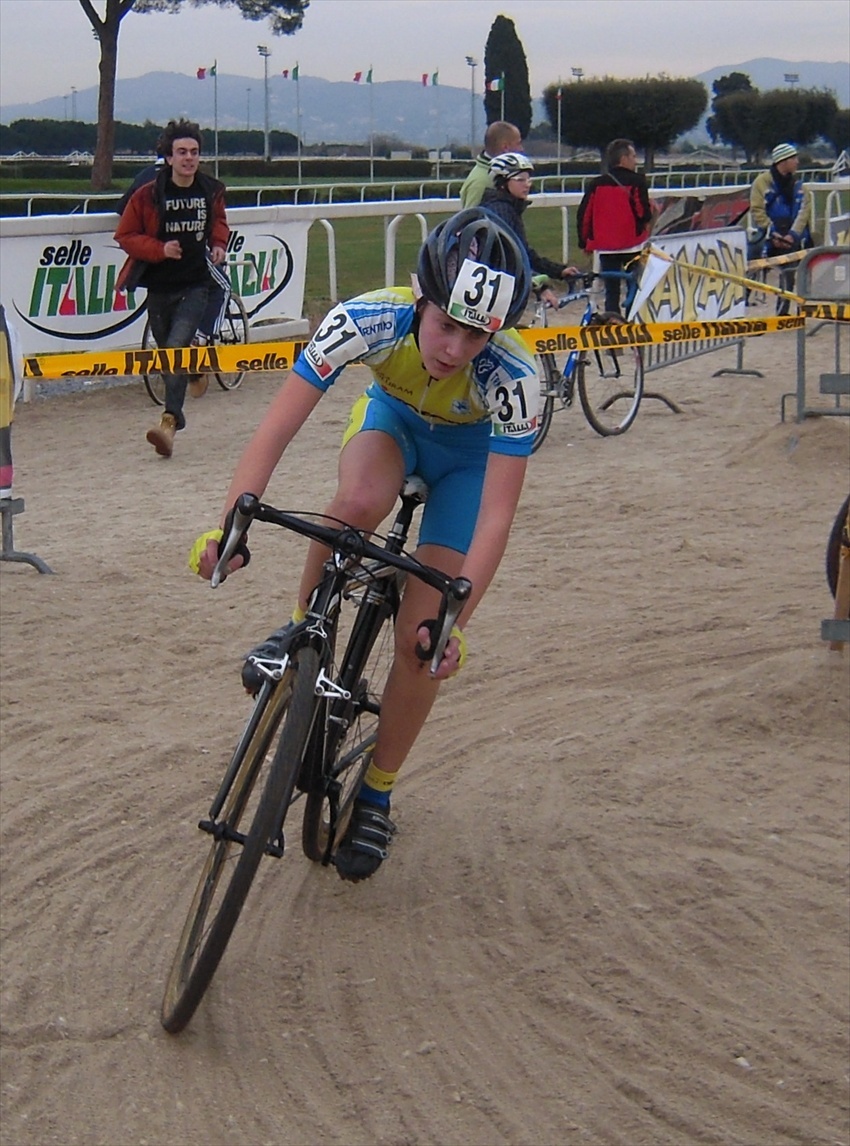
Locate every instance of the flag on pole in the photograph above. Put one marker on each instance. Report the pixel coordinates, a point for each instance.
(424, 79)
(369, 76)
(285, 73)
(202, 73)
(435, 79)
(290, 73)
(295, 72)
(496, 85)
(358, 77)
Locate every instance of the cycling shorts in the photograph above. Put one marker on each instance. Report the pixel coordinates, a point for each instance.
(451, 460)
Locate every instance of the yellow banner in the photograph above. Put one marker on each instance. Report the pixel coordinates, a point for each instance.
(279, 357)
(253, 357)
(557, 339)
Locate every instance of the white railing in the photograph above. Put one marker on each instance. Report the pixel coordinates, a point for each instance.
(402, 190)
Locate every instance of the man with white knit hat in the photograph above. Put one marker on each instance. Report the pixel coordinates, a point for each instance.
(781, 210)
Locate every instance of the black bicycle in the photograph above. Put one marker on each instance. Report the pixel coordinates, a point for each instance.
(323, 696)
(609, 379)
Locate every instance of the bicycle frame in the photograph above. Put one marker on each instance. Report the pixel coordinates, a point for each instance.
(377, 582)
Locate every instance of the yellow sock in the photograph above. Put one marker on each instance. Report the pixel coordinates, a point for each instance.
(377, 780)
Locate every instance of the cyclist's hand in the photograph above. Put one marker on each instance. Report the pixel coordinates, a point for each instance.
(217, 255)
(571, 273)
(549, 297)
(204, 554)
(454, 655)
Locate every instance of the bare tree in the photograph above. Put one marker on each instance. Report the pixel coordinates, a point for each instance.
(285, 17)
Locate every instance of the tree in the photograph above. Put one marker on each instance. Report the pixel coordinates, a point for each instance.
(285, 17)
(504, 61)
(736, 122)
(839, 130)
(652, 112)
(722, 87)
(757, 121)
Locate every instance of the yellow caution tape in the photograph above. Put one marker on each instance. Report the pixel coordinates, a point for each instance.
(278, 357)
(254, 357)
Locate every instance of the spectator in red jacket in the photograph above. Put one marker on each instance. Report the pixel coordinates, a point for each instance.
(175, 229)
(614, 215)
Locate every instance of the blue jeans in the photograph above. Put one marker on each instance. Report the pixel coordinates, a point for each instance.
(175, 317)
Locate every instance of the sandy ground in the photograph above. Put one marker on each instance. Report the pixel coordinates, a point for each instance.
(616, 911)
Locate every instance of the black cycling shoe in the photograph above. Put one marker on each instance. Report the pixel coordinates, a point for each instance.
(365, 843)
(274, 648)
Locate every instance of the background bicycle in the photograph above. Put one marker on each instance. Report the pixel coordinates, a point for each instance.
(324, 695)
(234, 330)
(609, 382)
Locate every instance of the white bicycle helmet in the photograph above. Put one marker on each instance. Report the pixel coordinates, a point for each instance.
(446, 273)
(509, 163)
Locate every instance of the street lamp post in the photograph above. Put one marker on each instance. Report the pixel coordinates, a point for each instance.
(473, 138)
(73, 103)
(265, 53)
(247, 109)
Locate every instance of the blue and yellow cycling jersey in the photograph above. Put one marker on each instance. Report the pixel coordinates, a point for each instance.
(498, 386)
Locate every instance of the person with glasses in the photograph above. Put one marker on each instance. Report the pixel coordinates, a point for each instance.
(507, 199)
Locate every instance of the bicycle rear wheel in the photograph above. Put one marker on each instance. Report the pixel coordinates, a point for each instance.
(610, 393)
(154, 383)
(549, 376)
(833, 546)
(259, 797)
(352, 727)
(234, 330)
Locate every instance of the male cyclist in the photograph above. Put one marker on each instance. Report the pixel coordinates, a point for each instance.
(453, 399)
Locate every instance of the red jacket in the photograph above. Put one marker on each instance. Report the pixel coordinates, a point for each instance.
(139, 231)
(615, 213)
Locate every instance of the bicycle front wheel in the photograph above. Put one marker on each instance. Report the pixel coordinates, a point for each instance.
(234, 330)
(611, 389)
(352, 727)
(258, 799)
(154, 383)
(549, 377)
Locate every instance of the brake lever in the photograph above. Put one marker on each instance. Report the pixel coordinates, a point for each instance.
(244, 512)
(457, 594)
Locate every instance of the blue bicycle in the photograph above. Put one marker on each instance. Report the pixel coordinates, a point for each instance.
(609, 381)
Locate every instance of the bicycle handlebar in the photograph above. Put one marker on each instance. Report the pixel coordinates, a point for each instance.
(347, 541)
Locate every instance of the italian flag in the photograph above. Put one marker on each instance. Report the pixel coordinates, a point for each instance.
(496, 85)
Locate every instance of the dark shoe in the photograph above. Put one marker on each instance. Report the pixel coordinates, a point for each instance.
(270, 653)
(365, 843)
(161, 437)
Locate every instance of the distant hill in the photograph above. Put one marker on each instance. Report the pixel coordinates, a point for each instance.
(330, 112)
(344, 112)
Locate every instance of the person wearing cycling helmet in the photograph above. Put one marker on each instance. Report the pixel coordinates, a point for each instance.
(507, 199)
(453, 399)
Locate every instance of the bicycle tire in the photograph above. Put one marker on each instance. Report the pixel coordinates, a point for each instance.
(234, 330)
(549, 376)
(154, 383)
(225, 882)
(363, 672)
(611, 400)
(833, 546)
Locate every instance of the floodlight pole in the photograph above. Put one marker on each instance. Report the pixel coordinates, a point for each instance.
(265, 53)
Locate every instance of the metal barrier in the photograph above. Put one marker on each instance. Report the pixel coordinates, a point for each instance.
(823, 277)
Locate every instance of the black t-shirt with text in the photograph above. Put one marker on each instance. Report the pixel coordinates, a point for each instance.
(185, 219)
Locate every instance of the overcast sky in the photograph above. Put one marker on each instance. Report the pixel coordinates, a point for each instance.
(47, 46)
